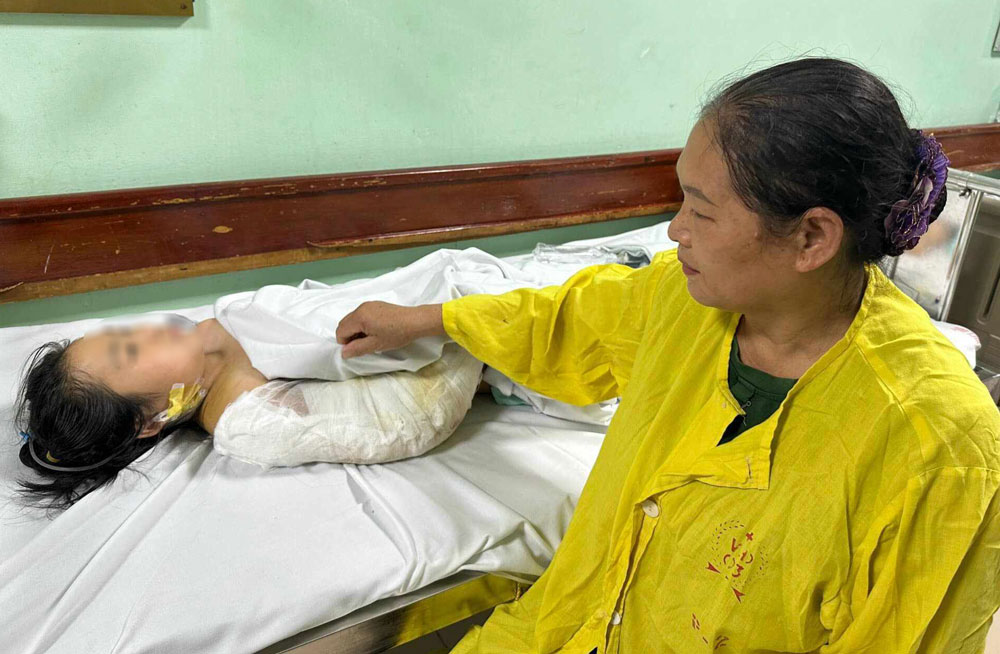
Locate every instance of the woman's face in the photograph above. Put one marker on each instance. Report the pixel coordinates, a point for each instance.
(140, 360)
(729, 262)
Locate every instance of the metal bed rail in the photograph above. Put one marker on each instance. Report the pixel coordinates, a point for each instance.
(393, 621)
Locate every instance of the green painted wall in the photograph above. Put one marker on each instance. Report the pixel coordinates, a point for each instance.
(254, 89)
(261, 89)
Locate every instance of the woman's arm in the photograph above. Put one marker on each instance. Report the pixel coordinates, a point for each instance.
(925, 580)
(574, 343)
(381, 326)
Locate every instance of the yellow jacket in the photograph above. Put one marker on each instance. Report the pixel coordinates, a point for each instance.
(862, 516)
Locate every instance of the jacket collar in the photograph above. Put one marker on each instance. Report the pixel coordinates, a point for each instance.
(745, 462)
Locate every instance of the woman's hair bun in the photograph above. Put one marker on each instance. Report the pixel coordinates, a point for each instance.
(821, 132)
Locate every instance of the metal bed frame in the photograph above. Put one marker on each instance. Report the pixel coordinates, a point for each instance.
(393, 621)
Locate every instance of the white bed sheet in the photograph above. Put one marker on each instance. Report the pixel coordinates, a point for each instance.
(213, 555)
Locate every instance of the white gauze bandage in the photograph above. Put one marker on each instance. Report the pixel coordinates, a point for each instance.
(373, 419)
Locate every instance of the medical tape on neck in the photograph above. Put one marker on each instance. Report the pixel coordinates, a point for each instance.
(182, 401)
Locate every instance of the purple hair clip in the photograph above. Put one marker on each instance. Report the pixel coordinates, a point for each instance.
(910, 217)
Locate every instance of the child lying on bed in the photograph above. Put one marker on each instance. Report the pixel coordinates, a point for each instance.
(265, 377)
(92, 406)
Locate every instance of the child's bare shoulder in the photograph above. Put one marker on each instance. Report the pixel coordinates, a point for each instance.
(237, 377)
(232, 383)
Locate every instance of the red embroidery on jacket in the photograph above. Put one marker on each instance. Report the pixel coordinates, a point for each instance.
(716, 643)
(736, 556)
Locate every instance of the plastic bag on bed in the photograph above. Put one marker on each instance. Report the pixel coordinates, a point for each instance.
(374, 419)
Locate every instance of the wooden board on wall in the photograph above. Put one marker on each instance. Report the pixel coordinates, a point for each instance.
(133, 7)
(56, 245)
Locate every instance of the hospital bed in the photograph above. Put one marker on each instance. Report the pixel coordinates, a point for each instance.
(456, 203)
(190, 550)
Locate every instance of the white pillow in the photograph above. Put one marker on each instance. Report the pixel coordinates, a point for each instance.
(961, 337)
(373, 419)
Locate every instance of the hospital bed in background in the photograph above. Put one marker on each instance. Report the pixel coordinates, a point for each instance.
(954, 272)
(84, 242)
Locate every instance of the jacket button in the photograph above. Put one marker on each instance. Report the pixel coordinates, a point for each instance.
(650, 508)
(616, 618)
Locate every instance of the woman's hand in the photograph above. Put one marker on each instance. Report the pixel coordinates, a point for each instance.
(380, 326)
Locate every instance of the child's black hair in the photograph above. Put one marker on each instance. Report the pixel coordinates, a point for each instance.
(78, 421)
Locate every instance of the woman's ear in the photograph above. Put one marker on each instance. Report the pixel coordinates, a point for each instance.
(818, 239)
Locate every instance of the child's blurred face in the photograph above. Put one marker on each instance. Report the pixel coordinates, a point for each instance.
(140, 360)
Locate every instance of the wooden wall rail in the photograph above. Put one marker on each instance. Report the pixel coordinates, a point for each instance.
(55, 245)
(66, 244)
